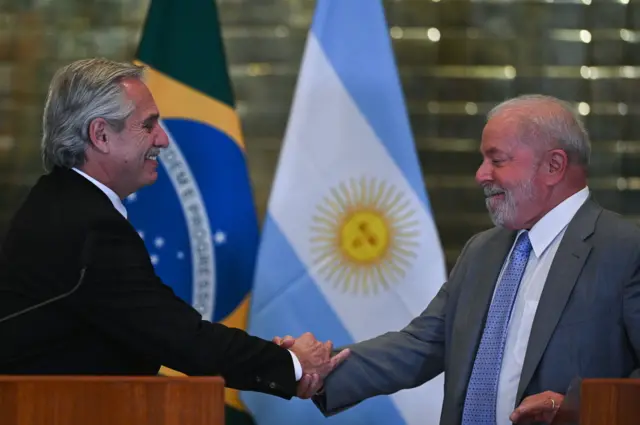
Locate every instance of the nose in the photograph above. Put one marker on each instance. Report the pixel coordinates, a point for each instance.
(162, 138)
(484, 173)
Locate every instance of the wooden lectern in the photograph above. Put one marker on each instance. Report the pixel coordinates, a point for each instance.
(601, 402)
(99, 400)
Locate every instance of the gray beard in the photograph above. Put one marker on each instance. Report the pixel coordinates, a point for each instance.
(506, 211)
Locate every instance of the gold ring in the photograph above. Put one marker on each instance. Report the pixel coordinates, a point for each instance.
(553, 404)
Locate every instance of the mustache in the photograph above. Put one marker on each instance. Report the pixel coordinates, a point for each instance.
(491, 190)
(153, 151)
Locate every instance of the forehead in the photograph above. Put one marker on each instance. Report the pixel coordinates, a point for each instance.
(501, 133)
(138, 92)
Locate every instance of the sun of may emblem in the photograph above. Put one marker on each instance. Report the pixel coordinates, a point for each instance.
(364, 235)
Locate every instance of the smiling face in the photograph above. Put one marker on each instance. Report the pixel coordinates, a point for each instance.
(129, 157)
(511, 175)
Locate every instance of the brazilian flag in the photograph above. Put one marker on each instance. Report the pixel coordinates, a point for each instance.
(198, 220)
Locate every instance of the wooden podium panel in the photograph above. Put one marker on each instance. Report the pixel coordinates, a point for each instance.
(601, 402)
(114, 400)
(610, 402)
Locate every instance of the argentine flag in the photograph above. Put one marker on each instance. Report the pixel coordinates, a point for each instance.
(349, 248)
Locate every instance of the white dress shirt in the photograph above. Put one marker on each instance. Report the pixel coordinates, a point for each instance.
(545, 237)
(118, 205)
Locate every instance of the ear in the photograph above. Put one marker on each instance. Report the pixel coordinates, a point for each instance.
(99, 132)
(556, 163)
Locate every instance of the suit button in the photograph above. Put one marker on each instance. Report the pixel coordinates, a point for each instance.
(272, 385)
(258, 379)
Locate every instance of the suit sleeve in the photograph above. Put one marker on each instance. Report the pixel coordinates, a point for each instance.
(122, 297)
(393, 361)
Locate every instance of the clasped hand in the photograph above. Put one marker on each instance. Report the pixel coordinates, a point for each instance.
(315, 359)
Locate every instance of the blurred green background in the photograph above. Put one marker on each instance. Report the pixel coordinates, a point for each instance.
(457, 58)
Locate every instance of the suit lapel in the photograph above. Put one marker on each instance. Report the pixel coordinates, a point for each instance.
(473, 306)
(563, 275)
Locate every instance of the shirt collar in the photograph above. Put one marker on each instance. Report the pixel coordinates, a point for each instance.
(545, 231)
(115, 199)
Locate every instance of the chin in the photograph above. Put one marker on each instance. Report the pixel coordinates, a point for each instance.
(500, 219)
(148, 181)
(152, 177)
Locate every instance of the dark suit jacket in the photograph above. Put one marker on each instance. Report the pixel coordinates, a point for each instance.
(122, 319)
(587, 323)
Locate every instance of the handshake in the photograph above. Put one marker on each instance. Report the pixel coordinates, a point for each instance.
(316, 361)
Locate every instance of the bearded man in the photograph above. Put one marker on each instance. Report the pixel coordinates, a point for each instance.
(551, 293)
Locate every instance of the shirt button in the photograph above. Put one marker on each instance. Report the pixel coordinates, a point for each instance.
(272, 385)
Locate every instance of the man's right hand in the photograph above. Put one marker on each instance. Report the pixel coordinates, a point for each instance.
(315, 358)
(309, 386)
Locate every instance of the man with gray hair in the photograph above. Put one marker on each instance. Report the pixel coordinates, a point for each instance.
(550, 294)
(70, 252)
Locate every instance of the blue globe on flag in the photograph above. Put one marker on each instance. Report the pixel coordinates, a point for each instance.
(198, 219)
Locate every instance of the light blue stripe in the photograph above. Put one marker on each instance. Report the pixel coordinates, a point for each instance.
(286, 301)
(354, 36)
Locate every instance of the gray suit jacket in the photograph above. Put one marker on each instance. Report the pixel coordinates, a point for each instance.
(587, 323)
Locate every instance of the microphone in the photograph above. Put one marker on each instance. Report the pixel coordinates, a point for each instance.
(86, 255)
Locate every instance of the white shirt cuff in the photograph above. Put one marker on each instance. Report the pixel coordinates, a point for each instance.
(297, 366)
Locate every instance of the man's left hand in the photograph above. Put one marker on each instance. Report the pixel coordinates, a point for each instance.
(537, 408)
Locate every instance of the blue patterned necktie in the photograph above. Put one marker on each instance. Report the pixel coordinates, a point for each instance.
(480, 403)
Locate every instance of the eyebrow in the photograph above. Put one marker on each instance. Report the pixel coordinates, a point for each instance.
(493, 151)
(151, 119)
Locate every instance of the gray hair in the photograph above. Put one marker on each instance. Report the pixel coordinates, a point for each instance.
(564, 130)
(79, 93)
